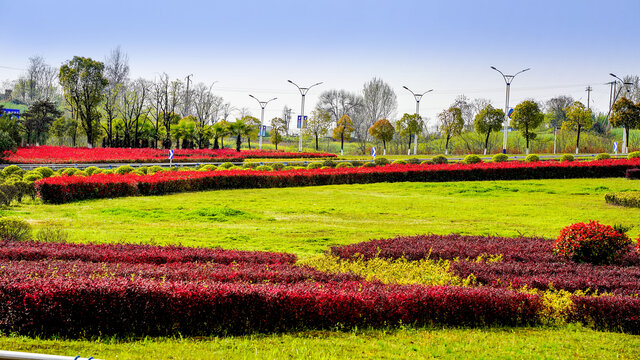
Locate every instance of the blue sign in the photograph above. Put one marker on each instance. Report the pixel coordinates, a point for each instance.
(615, 147)
(170, 154)
(301, 121)
(510, 112)
(264, 130)
(14, 112)
(373, 152)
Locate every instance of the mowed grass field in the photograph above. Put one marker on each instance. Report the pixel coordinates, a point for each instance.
(307, 221)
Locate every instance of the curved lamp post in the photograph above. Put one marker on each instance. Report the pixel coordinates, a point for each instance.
(303, 92)
(418, 97)
(507, 79)
(263, 104)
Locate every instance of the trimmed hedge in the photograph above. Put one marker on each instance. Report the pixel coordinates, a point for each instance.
(629, 199)
(66, 189)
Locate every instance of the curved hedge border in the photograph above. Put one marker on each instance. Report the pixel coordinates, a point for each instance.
(629, 199)
(66, 189)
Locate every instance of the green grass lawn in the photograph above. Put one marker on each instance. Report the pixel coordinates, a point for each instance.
(307, 221)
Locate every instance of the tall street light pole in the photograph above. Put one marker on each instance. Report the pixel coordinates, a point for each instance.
(615, 98)
(303, 92)
(263, 104)
(418, 97)
(507, 79)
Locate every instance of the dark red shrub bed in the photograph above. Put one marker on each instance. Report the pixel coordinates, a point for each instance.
(118, 306)
(72, 188)
(608, 312)
(524, 261)
(71, 155)
(131, 253)
(633, 174)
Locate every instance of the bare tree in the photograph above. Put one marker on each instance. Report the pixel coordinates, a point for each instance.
(38, 83)
(226, 110)
(133, 110)
(286, 118)
(379, 101)
(206, 107)
(338, 103)
(116, 71)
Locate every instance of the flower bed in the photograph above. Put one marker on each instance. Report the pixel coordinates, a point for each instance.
(76, 298)
(70, 155)
(66, 189)
(525, 262)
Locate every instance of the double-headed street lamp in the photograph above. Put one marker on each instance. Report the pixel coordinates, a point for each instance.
(263, 104)
(615, 98)
(507, 79)
(418, 97)
(303, 92)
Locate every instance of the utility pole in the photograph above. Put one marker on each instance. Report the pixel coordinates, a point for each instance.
(187, 105)
(589, 90)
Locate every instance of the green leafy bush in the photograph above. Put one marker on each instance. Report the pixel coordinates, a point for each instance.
(380, 161)
(44, 171)
(634, 155)
(629, 199)
(208, 167)
(399, 162)
(413, 161)
(80, 173)
(250, 165)
(52, 235)
(14, 229)
(124, 169)
(12, 170)
(141, 169)
(344, 165)
(10, 193)
(329, 163)
(369, 164)
(225, 165)
(532, 158)
(592, 242)
(567, 157)
(90, 170)
(358, 163)
(314, 165)
(498, 158)
(603, 156)
(277, 166)
(154, 169)
(264, 168)
(472, 159)
(32, 177)
(427, 162)
(440, 159)
(68, 171)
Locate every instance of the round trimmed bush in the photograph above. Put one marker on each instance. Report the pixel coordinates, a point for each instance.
(12, 170)
(399, 162)
(314, 165)
(277, 166)
(44, 171)
(532, 158)
(99, 171)
(603, 156)
(68, 171)
(567, 157)
(225, 165)
(413, 161)
(32, 176)
(472, 159)
(14, 229)
(439, 159)
(80, 173)
(427, 162)
(154, 169)
(369, 164)
(141, 169)
(358, 163)
(90, 170)
(124, 169)
(344, 165)
(264, 168)
(634, 155)
(329, 163)
(592, 242)
(498, 158)
(107, 171)
(380, 161)
(209, 167)
(250, 165)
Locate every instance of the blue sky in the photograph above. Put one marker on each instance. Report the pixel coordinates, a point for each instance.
(255, 46)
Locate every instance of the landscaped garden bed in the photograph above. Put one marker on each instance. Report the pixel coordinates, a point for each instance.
(71, 155)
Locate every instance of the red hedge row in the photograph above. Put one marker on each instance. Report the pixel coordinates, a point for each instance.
(135, 254)
(72, 188)
(118, 306)
(70, 155)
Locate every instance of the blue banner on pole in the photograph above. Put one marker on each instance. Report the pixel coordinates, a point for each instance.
(264, 130)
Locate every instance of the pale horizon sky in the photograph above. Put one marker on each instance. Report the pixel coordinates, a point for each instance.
(253, 47)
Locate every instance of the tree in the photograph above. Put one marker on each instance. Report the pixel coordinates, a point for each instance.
(410, 125)
(116, 71)
(278, 128)
(343, 131)
(63, 128)
(252, 129)
(556, 114)
(38, 83)
(7, 143)
(238, 129)
(451, 124)
(487, 120)
(578, 116)
(338, 103)
(286, 116)
(207, 107)
(627, 115)
(318, 125)
(83, 82)
(527, 117)
(383, 131)
(133, 111)
(185, 130)
(37, 119)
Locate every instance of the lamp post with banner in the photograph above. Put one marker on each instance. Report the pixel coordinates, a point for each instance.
(301, 118)
(507, 79)
(263, 104)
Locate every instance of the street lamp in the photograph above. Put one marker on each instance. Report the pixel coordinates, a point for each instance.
(418, 97)
(263, 104)
(303, 92)
(507, 79)
(615, 98)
